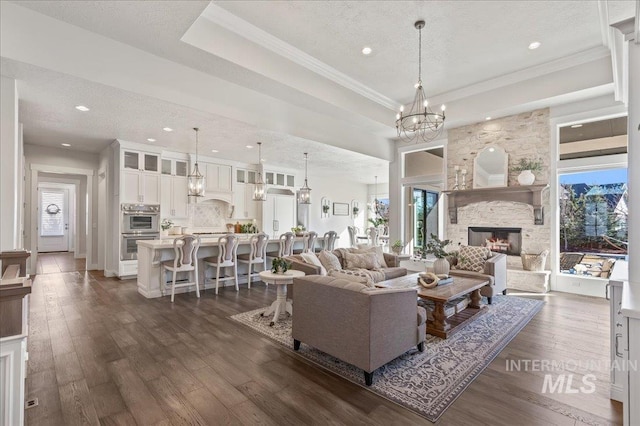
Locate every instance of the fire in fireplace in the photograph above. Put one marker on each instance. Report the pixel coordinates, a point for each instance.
(500, 240)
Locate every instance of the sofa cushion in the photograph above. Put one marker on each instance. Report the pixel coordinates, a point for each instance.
(361, 261)
(312, 259)
(353, 276)
(472, 258)
(373, 249)
(330, 261)
(390, 273)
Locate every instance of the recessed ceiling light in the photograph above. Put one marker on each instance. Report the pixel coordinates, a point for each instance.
(534, 45)
(65, 144)
(82, 108)
(366, 50)
(214, 150)
(151, 139)
(575, 126)
(492, 149)
(487, 118)
(167, 129)
(249, 146)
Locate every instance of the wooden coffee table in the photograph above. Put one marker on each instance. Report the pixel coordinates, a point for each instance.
(441, 325)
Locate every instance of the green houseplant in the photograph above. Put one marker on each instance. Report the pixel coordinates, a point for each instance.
(279, 265)
(526, 167)
(397, 246)
(437, 247)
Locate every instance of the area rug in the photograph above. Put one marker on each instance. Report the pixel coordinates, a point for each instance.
(425, 382)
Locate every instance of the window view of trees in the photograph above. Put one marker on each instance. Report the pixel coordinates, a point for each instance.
(425, 219)
(593, 221)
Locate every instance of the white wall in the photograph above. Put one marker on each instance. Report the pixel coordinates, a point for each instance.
(63, 158)
(422, 163)
(11, 170)
(338, 191)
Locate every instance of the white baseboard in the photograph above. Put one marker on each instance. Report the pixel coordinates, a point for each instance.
(77, 255)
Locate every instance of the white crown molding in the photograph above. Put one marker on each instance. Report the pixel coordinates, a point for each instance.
(609, 40)
(576, 59)
(233, 23)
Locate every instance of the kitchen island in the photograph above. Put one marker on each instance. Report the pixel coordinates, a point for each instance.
(151, 253)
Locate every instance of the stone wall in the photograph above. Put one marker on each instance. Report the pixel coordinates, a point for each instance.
(523, 135)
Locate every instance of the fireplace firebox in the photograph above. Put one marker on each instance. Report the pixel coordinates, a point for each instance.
(499, 240)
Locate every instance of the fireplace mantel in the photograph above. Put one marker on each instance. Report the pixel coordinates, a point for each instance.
(527, 194)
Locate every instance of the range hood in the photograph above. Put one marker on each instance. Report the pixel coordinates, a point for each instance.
(227, 197)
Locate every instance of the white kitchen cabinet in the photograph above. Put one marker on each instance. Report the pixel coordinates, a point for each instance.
(280, 179)
(217, 177)
(245, 207)
(278, 214)
(140, 161)
(140, 187)
(174, 197)
(174, 167)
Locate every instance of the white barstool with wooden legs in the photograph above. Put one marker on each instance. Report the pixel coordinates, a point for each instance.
(258, 255)
(353, 235)
(186, 260)
(227, 258)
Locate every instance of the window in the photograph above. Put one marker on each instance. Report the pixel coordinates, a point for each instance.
(425, 219)
(593, 221)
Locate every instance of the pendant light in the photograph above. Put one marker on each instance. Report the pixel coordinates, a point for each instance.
(260, 190)
(304, 193)
(196, 179)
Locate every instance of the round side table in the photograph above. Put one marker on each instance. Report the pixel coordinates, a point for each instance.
(281, 305)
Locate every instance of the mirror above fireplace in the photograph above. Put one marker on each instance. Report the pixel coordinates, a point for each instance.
(490, 168)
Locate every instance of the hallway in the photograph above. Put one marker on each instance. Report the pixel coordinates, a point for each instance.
(53, 263)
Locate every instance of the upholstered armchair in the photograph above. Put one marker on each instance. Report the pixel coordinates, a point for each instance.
(364, 326)
(495, 267)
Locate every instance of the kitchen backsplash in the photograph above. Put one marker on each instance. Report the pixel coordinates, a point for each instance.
(209, 215)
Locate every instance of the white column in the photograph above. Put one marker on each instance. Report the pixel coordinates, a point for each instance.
(11, 170)
(634, 161)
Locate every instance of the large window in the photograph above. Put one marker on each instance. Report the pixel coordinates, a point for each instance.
(425, 219)
(593, 221)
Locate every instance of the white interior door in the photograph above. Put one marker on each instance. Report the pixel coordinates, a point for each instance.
(53, 219)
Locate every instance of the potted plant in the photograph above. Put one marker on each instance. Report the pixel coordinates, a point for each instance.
(165, 225)
(355, 210)
(397, 246)
(526, 167)
(298, 230)
(325, 208)
(437, 247)
(279, 265)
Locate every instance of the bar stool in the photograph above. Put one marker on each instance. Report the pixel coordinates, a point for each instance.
(257, 255)
(286, 246)
(227, 257)
(308, 242)
(353, 235)
(329, 241)
(186, 260)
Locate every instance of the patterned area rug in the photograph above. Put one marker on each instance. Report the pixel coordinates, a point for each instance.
(428, 382)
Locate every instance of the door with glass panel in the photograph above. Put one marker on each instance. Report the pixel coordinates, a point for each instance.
(425, 218)
(53, 219)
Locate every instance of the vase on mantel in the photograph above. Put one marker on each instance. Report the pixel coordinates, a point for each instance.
(526, 177)
(441, 266)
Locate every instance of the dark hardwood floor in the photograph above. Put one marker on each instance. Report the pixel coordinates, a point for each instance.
(100, 353)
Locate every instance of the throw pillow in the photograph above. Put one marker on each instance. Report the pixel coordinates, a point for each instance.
(472, 258)
(355, 276)
(361, 261)
(312, 259)
(374, 249)
(330, 261)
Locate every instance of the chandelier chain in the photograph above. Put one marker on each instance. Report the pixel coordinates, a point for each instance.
(420, 56)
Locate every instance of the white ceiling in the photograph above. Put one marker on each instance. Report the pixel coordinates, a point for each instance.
(290, 73)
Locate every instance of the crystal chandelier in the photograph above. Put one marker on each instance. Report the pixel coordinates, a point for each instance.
(420, 124)
(260, 190)
(304, 193)
(196, 179)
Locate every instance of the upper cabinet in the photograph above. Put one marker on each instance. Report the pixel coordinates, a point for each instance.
(140, 161)
(280, 179)
(173, 167)
(217, 177)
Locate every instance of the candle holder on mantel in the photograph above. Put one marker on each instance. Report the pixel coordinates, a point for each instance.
(464, 179)
(456, 184)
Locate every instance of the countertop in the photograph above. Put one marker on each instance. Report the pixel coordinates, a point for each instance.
(205, 241)
(630, 306)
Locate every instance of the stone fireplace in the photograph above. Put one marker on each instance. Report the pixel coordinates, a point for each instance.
(497, 239)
